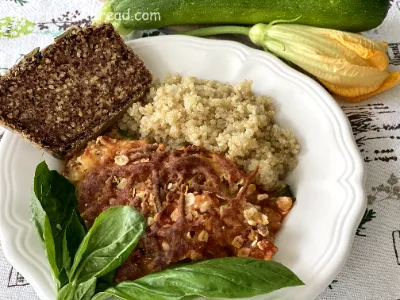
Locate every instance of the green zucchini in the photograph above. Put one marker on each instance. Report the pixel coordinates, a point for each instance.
(348, 15)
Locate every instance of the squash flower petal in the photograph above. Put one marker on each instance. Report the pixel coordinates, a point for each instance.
(348, 64)
(391, 80)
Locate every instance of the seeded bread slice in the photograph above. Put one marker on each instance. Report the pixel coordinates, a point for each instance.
(68, 93)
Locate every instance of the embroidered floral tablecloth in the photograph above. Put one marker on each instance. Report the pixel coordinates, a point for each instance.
(373, 269)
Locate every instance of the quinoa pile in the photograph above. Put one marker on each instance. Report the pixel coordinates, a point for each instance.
(220, 117)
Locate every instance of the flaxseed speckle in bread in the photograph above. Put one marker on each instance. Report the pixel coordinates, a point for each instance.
(66, 94)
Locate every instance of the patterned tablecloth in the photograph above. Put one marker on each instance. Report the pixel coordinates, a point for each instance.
(373, 269)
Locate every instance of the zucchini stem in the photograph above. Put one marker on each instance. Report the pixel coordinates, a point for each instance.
(218, 30)
(231, 29)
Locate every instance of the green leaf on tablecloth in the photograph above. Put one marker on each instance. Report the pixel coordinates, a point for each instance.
(14, 27)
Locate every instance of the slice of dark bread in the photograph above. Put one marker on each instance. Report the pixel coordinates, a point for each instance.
(74, 89)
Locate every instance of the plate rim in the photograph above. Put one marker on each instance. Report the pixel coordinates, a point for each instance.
(353, 178)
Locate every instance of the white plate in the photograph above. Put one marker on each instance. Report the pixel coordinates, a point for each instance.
(315, 239)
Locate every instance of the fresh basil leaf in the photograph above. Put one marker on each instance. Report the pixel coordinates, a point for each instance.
(55, 198)
(43, 228)
(50, 250)
(106, 281)
(56, 195)
(230, 277)
(85, 290)
(82, 291)
(125, 134)
(65, 292)
(285, 191)
(74, 235)
(37, 217)
(66, 256)
(108, 243)
(104, 296)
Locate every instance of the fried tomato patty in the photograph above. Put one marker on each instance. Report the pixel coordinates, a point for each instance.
(198, 203)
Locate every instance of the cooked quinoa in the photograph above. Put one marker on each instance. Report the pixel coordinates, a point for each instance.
(220, 117)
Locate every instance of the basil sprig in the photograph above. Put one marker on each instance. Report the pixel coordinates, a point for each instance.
(84, 263)
(78, 258)
(106, 246)
(229, 277)
(58, 224)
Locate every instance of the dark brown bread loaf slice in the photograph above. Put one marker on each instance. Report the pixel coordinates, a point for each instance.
(72, 90)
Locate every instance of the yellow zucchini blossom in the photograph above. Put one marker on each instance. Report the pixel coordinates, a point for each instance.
(348, 64)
